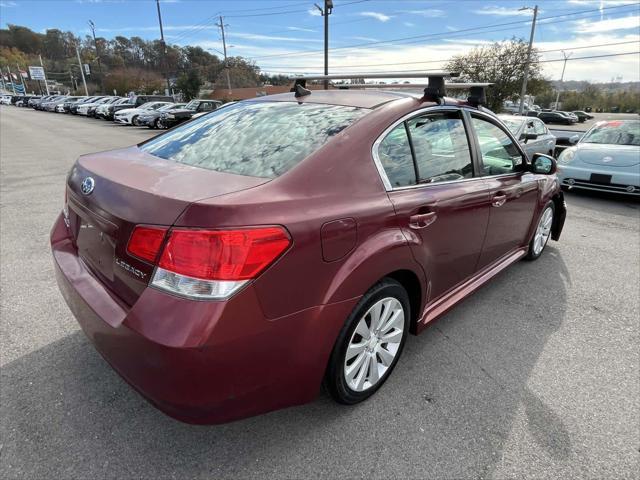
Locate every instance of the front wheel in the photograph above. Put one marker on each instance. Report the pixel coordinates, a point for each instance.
(369, 344)
(542, 233)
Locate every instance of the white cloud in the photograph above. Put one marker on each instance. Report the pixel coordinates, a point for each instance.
(8, 4)
(259, 37)
(377, 15)
(314, 12)
(300, 29)
(427, 13)
(365, 39)
(622, 23)
(409, 24)
(502, 11)
(167, 28)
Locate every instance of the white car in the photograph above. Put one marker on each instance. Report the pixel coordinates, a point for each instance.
(5, 100)
(129, 116)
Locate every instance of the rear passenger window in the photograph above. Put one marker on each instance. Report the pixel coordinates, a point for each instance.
(395, 155)
(540, 128)
(441, 147)
(499, 153)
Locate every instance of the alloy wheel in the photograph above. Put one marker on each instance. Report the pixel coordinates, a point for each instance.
(374, 344)
(543, 231)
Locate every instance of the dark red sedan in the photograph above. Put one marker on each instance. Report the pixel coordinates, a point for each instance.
(230, 266)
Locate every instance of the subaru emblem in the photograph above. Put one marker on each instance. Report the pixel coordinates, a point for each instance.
(87, 185)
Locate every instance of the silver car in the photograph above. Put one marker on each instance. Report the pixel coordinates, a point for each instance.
(607, 158)
(533, 135)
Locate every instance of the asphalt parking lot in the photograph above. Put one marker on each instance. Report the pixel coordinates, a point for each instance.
(537, 375)
(597, 117)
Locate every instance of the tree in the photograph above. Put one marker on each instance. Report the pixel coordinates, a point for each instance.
(189, 84)
(501, 63)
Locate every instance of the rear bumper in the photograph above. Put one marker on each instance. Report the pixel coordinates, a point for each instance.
(201, 362)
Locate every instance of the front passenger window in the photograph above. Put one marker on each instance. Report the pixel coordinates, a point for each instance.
(499, 153)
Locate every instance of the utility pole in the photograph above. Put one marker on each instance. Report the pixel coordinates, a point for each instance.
(46, 84)
(84, 82)
(13, 84)
(523, 93)
(564, 65)
(164, 49)
(328, 10)
(95, 43)
(224, 50)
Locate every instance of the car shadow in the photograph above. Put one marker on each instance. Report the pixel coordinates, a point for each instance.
(447, 411)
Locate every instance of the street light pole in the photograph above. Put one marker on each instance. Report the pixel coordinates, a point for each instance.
(84, 82)
(95, 43)
(328, 9)
(566, 57)
(523, 93)
(164, 49)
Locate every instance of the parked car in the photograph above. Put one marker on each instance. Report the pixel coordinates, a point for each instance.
(50, 105)
(102, 111)
(151, 118)
(88, 108)
(5, 100)
(532, 133)
(24, 101)
(137, 100)
(582, 116)
(555, 117)
(73, 108)
(233, 264)
(570, 115)
(176, 117)
(69, 102)
(129, 116)
(607, 158)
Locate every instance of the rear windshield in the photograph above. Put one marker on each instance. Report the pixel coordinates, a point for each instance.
(614, 132)
(262, 139)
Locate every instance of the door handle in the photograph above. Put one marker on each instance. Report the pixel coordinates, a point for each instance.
(422, 220)
(498, 200)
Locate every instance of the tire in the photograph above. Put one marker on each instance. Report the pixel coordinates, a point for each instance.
(155, 124)
(134, 120)
(352, 380)
(543, 232)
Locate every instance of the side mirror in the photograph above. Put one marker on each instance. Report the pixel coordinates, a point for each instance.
(543, 164)
(528, 136)
(574, 139)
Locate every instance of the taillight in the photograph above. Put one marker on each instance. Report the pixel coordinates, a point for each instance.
(209, 264)
(145, 242)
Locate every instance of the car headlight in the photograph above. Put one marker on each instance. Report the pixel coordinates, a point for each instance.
(567, 156)
(170, 116)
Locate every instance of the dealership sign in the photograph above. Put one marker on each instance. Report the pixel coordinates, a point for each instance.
(37, 73)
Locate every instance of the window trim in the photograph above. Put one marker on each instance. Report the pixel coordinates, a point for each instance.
(497, 123)
(405, 118)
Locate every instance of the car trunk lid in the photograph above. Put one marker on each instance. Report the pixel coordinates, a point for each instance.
(129, 188)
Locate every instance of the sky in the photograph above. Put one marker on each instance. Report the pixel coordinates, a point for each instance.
(286, 36)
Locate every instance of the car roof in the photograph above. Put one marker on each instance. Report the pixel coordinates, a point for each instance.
(514, 117)
(350, 98)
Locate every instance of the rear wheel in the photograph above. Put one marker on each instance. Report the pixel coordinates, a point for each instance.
(134, 120)
(370, 343)
(542, 233)
(155, 124)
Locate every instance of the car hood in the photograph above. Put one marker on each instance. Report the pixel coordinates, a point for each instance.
(126, 111)
(609, 155)
(182, 111)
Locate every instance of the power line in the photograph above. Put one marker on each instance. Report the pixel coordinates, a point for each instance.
(589, 57)
(449, 33)
(446, 59)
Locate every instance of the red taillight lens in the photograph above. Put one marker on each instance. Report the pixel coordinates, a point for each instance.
(223, 254)
(145, 242)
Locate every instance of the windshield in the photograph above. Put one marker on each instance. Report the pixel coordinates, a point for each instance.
(192, 105)
(171, 106)
(614, 133)
(259, 139)
(513, 124)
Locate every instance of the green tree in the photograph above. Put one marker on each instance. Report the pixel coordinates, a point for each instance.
(501, 63)
(189, 84)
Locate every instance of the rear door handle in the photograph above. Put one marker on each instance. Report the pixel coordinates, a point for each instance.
(498, 200)
(422, 220)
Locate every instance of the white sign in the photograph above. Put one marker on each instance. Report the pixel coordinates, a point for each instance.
(37, 73)
(87, 70)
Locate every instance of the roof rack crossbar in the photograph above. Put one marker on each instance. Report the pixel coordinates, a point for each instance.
(376, 75)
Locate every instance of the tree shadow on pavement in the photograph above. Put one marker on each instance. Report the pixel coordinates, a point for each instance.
(447, 410)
